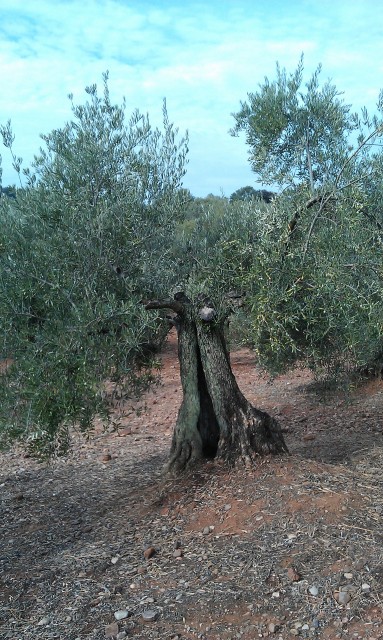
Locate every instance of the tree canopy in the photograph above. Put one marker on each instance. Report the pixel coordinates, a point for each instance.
(317, 281)
(83, 243)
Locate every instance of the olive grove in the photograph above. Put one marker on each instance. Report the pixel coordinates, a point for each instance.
(99, 247)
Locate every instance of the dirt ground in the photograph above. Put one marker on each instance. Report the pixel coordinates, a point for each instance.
(100, 545)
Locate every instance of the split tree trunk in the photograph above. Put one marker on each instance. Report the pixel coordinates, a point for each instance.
(215, 419)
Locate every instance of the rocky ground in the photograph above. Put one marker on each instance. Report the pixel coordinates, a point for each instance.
(100, 545)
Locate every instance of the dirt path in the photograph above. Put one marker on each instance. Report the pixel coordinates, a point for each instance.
(291, 548)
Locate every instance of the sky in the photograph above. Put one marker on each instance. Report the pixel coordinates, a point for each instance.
(204, 58)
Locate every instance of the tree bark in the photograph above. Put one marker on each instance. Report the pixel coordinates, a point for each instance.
(215, 419)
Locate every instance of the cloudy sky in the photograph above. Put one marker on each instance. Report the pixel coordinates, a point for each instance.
(203, 57)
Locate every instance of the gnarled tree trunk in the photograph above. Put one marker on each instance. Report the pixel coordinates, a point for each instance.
(215, 419)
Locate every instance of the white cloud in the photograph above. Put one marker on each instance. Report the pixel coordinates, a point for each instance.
(203, 59)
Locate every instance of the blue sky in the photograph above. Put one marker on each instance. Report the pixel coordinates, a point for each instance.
(203, 57)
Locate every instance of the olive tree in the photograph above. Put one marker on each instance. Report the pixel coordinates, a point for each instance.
(80, 247)
(89, 262)
(317, 282)
(215, 419)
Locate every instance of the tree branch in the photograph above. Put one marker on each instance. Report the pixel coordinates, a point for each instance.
(174, 305)
(323, 201)
(309, 163)
(378, 131)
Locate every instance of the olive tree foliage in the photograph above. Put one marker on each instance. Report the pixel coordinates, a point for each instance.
(316, 287)
(82, 244)
(217, 251)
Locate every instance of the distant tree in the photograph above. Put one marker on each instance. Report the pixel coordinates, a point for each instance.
(244, 193)
(9, 191)
(249, 193)
(266, 195)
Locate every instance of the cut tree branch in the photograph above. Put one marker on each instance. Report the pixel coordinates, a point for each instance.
(174, 305)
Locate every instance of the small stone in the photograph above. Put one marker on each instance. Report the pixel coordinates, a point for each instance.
(227, 507)
(348, 587)
(272, 627)
(121, 614)
(178, 553)
(348, 576)
(314, 590)
(150, 615)
(106, 458)
(111, 630)
(115, 559)
(366, 587)
(342, 597)
(206, 531)
(43, 621)
(305, 627)
(315, 623)
(275, 594)
(149, 553)
(121, 635)
(309, 436)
